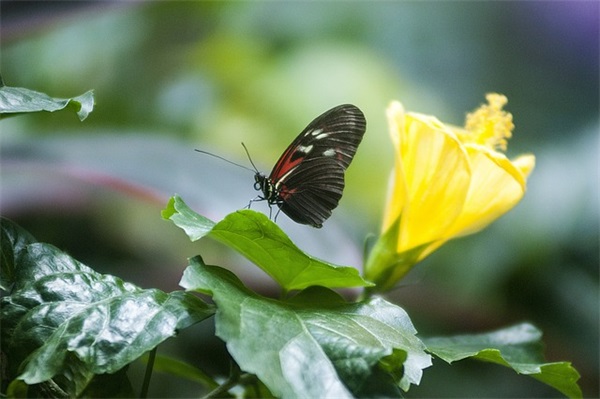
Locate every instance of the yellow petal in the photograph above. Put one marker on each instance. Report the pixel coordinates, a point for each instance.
(397, 192)
(436, 175)
(497, 185)
(525, 163)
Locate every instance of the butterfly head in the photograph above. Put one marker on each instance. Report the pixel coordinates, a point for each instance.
(262, 183)
(259, 181)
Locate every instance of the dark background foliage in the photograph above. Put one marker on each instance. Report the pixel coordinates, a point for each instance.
(173, 76)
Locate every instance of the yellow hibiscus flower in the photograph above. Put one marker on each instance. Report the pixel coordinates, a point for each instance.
(447, 182)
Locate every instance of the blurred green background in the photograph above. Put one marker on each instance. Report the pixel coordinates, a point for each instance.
(173, 76)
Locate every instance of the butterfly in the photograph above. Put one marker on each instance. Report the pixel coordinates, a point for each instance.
(307, 181)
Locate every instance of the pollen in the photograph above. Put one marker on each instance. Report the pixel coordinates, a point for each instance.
(490, 125)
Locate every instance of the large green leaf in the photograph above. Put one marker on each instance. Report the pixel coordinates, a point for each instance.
(16, 100)
(518, 347)
(64, 320)
(259, 239)
(315, 344)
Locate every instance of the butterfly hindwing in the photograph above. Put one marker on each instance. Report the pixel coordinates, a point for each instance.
(311, 193)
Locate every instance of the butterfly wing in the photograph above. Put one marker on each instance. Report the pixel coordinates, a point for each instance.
(309, 176)
(310, 194)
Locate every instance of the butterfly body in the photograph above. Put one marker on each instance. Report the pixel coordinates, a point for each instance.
(307, 181)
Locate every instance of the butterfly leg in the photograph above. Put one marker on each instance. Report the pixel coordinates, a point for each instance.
(271, 211)
(277, 214)
(255, 199)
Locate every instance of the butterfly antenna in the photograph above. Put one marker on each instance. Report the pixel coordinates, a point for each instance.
(249, 158)
(227, 160)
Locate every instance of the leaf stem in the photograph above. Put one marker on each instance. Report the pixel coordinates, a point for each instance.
(235, 377)
(148, 374)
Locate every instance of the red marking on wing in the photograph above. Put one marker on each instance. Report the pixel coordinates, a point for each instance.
(285, 164)
(284, 193)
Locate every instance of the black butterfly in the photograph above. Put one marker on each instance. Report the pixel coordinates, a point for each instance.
(307, 181)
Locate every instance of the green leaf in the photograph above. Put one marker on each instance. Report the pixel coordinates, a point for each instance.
(64, 320)
(518, 347)
(116, 385)
(13, 240)
(16, 100)
(257, 390)
(182, 370)
(17, 389)
(195, 225)
(313, 345)
(260, 240)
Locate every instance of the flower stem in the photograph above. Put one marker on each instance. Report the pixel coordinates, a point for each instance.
(148, 374)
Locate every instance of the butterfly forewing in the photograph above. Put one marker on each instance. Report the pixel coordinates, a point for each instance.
(308, 179)
(336, 133)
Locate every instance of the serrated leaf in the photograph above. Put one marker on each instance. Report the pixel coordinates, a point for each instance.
(315, 345)
(518, 347)
(16, 100)
(62, 318)
(260, 240)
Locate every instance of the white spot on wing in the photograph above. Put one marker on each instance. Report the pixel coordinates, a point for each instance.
(304, 149)
(316, 132)
(329, 152)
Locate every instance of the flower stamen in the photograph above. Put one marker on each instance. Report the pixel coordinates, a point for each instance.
(490, 125)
